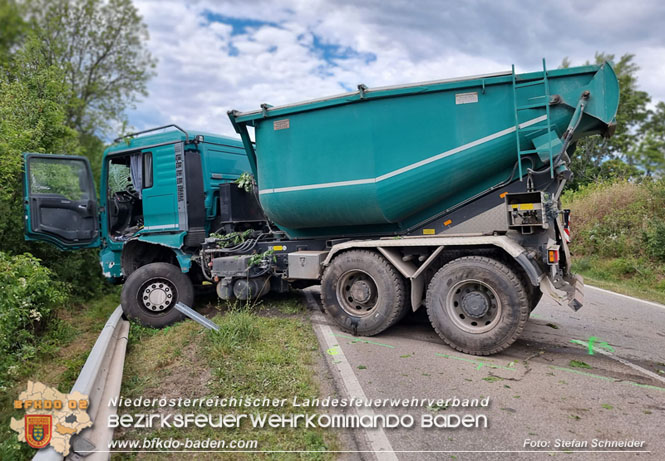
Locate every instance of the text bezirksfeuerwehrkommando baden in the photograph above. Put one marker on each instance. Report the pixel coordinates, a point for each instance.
(301, 420)
(258, 420)
(327, 402)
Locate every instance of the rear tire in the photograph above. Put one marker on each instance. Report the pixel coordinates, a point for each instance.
(477, 305)
(151, 292)
(363, 293)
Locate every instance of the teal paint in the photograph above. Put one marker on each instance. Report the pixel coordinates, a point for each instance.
(111, 262)
(43, 236)
(381, 161)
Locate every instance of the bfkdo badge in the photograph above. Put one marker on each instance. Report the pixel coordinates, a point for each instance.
(38, 430)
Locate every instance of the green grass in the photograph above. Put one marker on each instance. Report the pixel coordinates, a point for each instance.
(62, 351)
(265, 350)
(602, 273)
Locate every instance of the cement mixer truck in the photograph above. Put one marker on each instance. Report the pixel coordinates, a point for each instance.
(442, 195)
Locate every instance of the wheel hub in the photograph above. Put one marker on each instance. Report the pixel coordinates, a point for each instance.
(475, 304)
(360, 291)
(357, 293)
(157, 296)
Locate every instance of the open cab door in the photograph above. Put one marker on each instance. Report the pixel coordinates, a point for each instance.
(60, 201)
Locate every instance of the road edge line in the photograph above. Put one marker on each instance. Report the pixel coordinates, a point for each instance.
(633, 298)
(630, 364)
(377, 439)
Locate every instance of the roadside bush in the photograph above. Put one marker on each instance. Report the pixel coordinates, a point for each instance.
(618, 219)
(618, 232)
(28, 297)
(654, 240)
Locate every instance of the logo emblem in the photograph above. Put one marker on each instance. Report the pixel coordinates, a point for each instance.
(38, 430)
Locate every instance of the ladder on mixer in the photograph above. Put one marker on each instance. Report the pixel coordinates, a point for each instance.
(541, 101)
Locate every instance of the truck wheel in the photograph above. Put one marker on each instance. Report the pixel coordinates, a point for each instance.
(363, 293)
(151, 292)
(477, 305)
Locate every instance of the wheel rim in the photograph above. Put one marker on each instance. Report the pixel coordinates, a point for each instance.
(157, 295)
(357, 293)
(473, 306)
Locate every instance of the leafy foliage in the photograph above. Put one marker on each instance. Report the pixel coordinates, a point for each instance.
(618, 231)
(245, 181)
(32, 119)
(27, 299)
(232, 238)
(650, 150)
(12, 27)
(265, 258)
(654, 239)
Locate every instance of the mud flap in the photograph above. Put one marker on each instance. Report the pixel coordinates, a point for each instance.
(572, 293)
(576, 301)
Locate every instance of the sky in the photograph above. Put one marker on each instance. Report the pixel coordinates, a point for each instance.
(214, 56)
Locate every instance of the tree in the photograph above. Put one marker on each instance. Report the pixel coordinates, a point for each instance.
(100, 46)
(650, 151)
(32, 119)
(12, 29)
(592, 152)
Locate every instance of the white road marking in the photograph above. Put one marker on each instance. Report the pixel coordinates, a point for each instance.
(623, 361)
(377, 438)
(650, 303)
(644, 371)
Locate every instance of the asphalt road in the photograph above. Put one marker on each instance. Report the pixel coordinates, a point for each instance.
(544, 388)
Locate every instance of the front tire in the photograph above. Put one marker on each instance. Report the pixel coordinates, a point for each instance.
(151, 292)
(477, 305)
(363, 293)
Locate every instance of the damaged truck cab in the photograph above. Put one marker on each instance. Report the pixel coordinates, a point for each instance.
(159, 198)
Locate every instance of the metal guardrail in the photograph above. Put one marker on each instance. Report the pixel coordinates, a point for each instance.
(192, 314)
(100, 380)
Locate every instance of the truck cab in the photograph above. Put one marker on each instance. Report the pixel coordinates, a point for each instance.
(159, 198)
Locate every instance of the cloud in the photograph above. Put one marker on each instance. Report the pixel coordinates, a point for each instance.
(215, 56)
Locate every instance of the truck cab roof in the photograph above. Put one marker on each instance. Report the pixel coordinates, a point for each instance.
(139, 141)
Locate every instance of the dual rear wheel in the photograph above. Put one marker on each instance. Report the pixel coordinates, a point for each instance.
(477, 305)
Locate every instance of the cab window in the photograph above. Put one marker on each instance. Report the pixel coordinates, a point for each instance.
(67, 178)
